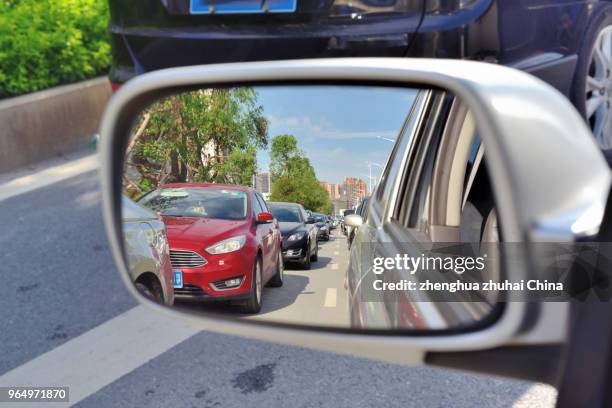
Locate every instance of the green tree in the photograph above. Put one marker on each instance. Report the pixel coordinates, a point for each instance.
(283, 149)
(209, 135)
(293, 177)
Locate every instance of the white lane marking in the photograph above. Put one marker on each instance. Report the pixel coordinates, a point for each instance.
(330, 297)
(100, 356)
(51, 175)
(541, 395)
(334, 266)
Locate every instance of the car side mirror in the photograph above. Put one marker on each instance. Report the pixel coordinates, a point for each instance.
(264, 217)
(519, 121)
(353, 220)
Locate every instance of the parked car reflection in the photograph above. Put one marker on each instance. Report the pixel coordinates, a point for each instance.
(224, 243)
(146, 250)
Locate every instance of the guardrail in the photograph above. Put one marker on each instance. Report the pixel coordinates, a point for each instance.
(44, 124)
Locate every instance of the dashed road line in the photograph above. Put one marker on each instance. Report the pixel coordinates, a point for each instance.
(331, 296)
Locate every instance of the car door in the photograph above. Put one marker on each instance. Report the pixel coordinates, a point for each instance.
(312, 231)
(261, 231)
(269, 246)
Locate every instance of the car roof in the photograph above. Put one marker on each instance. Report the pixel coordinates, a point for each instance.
(207, 185)
(283, 204)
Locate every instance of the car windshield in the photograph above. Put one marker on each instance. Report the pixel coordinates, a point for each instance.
(202, 202)
(286, 214)
(319, 217)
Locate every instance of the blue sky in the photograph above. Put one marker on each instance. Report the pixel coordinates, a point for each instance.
(337, 126)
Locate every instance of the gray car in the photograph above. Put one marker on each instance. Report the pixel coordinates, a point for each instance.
(446, 199)
(147, 252)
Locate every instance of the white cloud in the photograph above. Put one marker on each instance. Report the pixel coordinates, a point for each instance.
(321, 129)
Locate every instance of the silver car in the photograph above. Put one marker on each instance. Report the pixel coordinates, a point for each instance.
(147, 252)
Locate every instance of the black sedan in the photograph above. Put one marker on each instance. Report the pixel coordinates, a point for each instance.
(299, 234)
(323, 226)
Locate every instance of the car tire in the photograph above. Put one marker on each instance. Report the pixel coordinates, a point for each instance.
(315, 256)
(279, 276)
(306, 263)
(253, 304)
(592, 72)
(154, 294)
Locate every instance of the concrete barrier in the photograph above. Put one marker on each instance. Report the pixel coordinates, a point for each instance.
(44, 124)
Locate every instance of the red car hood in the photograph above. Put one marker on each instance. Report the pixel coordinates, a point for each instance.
(201, 232)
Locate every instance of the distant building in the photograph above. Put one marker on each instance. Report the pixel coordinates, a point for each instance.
(263, 184)
(355, 190)
(333, 190)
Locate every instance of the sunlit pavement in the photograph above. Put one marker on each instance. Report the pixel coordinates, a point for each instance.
(60, 288)
(315, 297)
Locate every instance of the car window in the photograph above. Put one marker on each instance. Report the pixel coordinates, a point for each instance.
(286, 213)
(256, 205)
(413, 204)
(198, 202)
(262, 203)
(419, 215)
(392, 170)
(453, 193)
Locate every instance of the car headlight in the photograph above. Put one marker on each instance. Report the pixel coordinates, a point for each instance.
(227, 245)
(296, 237)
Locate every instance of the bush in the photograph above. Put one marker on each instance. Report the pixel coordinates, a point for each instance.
(44, 43)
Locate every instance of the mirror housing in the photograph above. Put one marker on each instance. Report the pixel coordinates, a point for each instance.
(521, 120)
(353, 220)
(310, 220)
(264, 217)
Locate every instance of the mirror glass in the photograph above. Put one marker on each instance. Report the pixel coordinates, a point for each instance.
(343, 206)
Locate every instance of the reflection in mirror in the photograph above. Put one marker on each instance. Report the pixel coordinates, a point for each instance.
(273, 203)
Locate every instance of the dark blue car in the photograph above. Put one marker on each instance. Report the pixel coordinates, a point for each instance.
(567, 43)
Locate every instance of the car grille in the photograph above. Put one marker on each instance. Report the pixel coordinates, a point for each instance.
(189, 290)
(186, 259)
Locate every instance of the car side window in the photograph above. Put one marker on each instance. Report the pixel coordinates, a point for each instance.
(256, 205)
(414, 202)
(262, 203)
(304, 214)
(453, 192)
(395, 164)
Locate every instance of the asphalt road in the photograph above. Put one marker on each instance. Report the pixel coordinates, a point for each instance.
(60, 286)
(314, 297)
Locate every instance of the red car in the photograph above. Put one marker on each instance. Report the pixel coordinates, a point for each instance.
(224, 242)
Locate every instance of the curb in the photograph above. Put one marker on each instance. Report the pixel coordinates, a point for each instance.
(52, 122)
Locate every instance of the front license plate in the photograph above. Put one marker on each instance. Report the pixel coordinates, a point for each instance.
(241, 6)
(178, 279)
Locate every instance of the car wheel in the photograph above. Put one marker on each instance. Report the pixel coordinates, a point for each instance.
(306, 264)
(315, 256)
(153, 293)
(279, 276)
(253, 303)
(592, 85)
